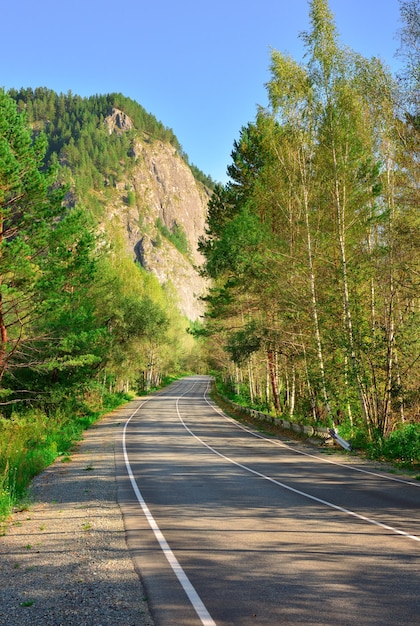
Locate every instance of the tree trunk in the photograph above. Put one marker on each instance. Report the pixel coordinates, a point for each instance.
(273, 379)
(314, 305)
(251, 381)
(340, 207)
(390, 325)
(292, 396)
(3, 340)
(308, 382)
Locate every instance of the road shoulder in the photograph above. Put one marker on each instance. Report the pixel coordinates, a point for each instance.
(64, 560)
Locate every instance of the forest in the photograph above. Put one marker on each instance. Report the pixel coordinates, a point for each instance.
(312, 249)
(314, 245)
(82, 327)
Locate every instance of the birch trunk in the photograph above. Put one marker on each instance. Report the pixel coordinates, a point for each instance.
(340, 208)
(314, 303)
(390, 325)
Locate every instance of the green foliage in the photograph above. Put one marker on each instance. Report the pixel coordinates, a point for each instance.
(79, 140)
(239, 394)
(30, 440)
(402, 446)
(30, 204)
(243, 343)
(82, 313)
(80, 323)
(179, 239)
(203, 178)
(131, 198)
(240, 249)
(176, 236)
(312, 244)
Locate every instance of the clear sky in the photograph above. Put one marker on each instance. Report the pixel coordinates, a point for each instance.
(199, 66)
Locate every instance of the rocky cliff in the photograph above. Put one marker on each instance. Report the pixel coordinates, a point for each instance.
(158, 206)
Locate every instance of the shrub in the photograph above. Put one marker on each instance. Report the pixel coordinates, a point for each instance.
(177, 236)
(31, 440)
(401, 447)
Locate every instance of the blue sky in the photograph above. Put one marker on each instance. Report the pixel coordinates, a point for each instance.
(199, 67)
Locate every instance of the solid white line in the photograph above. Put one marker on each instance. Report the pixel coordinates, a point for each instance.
(186, 584)
(297, 491)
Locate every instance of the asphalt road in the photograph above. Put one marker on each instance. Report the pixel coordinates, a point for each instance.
(228, 527)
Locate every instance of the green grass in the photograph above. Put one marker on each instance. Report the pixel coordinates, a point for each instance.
(31, 440)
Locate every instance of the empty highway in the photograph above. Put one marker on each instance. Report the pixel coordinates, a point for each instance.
(230, 527)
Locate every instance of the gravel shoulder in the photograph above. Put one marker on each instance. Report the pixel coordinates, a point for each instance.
(64, 560)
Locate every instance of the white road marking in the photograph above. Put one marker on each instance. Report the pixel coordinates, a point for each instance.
(281, 444)
(186, 584)
(297, 491)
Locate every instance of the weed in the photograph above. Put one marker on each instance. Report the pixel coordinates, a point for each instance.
(402, 446)
(23, 505)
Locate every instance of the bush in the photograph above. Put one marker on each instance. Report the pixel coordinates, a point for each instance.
(177, 236)
(401, 447)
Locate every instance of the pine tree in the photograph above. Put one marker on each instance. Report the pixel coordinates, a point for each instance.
(29, 205)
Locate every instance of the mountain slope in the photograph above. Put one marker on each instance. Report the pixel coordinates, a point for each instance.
(130, 171)
(157, 202)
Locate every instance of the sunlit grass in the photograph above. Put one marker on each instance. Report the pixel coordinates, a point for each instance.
(31, 440)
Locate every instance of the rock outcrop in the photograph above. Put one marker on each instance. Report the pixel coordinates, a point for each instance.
(160, 197)
(118, 121)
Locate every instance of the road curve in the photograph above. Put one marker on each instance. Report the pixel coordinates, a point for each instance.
(229, 527)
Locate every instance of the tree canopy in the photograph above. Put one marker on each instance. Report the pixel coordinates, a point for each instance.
(73, 310)
(313, 243)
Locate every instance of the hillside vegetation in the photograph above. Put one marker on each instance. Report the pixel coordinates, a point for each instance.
(82, 323)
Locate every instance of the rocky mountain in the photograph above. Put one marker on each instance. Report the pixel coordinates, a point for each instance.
(129, 170)
(160, 208)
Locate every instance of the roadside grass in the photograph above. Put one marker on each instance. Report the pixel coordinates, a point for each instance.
(33, 439)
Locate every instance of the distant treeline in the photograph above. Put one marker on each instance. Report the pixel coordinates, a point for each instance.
(79, 139)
